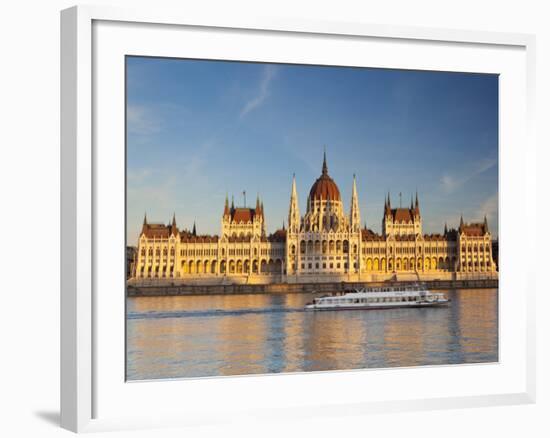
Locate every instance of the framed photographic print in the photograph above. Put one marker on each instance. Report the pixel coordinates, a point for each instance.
(252, 209)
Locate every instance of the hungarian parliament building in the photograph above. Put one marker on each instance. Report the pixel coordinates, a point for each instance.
(324, 245)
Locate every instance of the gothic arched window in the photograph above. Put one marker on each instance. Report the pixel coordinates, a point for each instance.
(346, 247)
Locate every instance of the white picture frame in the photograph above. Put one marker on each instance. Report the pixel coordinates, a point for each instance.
(87, 376)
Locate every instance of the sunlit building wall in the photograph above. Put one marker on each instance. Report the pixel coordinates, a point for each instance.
(325, 244)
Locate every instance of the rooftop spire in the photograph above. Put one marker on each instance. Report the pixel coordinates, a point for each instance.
(354, 208)
(194, 229)
(417, 205)
(174, 220)
(145, 219)
(226, 206)
(325, 168)
(258, 211)
(293, 211)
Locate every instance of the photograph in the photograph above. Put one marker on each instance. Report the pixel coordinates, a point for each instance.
(291, 218)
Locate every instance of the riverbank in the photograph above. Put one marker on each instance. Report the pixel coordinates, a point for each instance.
(237, 289)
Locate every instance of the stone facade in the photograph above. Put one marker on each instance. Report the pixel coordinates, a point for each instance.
(324, 245)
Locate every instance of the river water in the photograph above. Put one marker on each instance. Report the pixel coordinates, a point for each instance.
(197, 336)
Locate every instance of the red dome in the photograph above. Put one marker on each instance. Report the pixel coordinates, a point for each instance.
(324, 188)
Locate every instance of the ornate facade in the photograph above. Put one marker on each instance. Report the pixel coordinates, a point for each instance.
(325, 244)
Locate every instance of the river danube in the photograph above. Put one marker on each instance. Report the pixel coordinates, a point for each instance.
(197, 336)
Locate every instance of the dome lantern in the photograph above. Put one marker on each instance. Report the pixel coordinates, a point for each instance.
(324, 187)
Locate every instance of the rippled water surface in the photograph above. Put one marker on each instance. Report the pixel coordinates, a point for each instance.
(196, 336)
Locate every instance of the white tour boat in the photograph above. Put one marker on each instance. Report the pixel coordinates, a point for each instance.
(384, 297)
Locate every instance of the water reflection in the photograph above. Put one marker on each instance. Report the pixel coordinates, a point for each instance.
(199, 336)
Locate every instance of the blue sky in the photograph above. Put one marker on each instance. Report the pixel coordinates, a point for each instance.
(198, 130)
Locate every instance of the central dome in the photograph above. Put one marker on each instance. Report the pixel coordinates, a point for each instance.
(324, 188)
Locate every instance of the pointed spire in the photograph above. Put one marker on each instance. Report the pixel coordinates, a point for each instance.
(226, 206)
(144, 227)
(445, 229)
(354, 208)
(412, 202)
(325, 168)
(293, 211)
(461, 221)
(194, 232)
(257, 210)
(485, 224)
(294, 192)
(173, 227)
(232, 203)
(284, 224)
(417, 205)
(387, 205)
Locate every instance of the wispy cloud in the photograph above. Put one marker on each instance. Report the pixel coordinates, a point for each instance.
(136, 176)
(472, 212)
(194, 168)
(450, 183)
(141, 120)
(268, 74)
(489, 207)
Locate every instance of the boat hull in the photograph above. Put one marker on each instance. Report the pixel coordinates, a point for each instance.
(378, 306)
